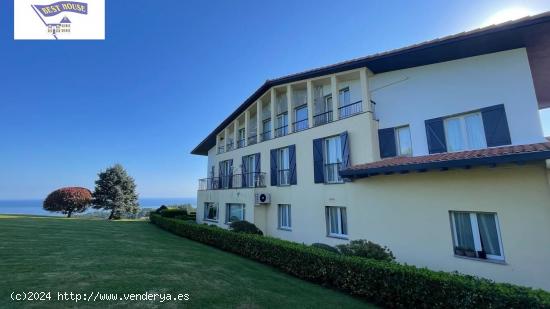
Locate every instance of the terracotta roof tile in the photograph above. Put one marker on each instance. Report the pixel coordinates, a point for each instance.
(470, 157)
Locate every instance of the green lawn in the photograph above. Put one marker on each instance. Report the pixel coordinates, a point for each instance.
(84, 256)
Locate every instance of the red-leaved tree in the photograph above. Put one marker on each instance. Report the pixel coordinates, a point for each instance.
(68, 200)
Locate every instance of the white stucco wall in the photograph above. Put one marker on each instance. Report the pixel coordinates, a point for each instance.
(414, 95)
(410, 213)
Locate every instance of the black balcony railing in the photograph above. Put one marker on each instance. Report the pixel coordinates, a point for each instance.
(266, 136)
(253, 139)
(281, 131)
(350, 109)
(229, 146)
(332, 174)
(240, 143)
(283, 177)
(221, 149)
(322, 118)
(235, 181)
(300, 125)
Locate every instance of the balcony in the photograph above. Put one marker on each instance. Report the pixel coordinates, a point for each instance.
(266, 136)
(253, 139)
(300, 125)
(281, 131)
(236, 181)
(240, 143)
(221, 149)
(229, 146)
(322, 118)
(350, 109)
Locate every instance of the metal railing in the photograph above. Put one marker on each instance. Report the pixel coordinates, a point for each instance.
(266, 136)
(283, 177)
(281, 131)
(235, 181)
(253, 139)
(229, 146)
(300, 125)
(240, 143)
(322, 118)
(350, 109)
(221, 149)
(332, 174)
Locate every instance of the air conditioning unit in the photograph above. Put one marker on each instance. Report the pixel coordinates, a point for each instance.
(263, 198)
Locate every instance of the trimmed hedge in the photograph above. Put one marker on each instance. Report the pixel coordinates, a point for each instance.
(387, 284)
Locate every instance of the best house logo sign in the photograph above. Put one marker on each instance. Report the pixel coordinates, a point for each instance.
(62, 20)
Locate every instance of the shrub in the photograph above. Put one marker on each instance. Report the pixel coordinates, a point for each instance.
(173, 213)
(325, 247)
(160, 209)
(387, 284)
(366, 249)
(245, 227)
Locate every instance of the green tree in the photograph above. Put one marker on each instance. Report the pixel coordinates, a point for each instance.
(115, 190)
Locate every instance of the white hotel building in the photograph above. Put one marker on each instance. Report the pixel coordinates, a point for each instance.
(435, 150)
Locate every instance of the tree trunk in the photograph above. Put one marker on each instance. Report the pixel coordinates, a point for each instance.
(69, 213)
(111, 215)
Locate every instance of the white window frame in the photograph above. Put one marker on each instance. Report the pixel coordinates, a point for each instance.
(228, 212)
(282, 124)
(398, 141)
(476, 234)
(281, 213)
(464, 131)
(325, 159)
(214, 205)
(285, 151)
(340, 226)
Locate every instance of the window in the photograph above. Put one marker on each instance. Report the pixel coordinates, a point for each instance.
(403, 141)
(301, 118)
(477, 235)
(284, 217)
(226, 170)
(283, 167)
(337, 222)
(210, 212)
(234, 212)
(344, 97)
(465, 132)
(332, 155)
(249, 170)
(242, 136)
(282, 125)
(266, 130)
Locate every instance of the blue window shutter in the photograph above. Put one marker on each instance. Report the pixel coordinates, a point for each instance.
(243, 172)
(346, 162)
(292, 163)
(435, 132)
(230, 173)
(258, 163)
(318, 172)
(496, 126)
(273, 167)
(386, 140)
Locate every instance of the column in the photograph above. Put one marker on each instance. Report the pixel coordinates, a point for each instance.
(235, 136)
(259, 119)
(225, 139)
(335, 97)
(290, 110)
(310, 104)
(246, 128)
(273, 97)
(365, 96)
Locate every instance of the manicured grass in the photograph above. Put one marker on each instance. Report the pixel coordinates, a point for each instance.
(84, 256)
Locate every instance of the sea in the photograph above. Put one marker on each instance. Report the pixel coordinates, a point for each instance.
(34, 206)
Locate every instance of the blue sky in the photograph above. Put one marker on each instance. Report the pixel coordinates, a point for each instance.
(169, 71)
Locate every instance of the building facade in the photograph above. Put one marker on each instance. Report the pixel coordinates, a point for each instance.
(435, 151)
